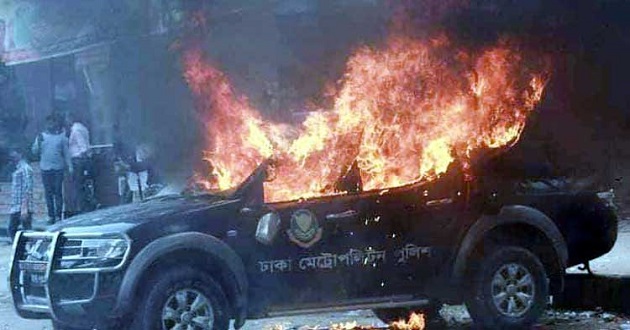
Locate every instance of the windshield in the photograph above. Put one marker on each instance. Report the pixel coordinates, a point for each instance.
(255, 181)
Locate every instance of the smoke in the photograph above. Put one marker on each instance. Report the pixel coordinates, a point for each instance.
(283, 60)
(282, 57)
(581, 127)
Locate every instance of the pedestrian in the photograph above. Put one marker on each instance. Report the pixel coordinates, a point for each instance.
(52, 148)
(78, 147)
(138, 174)
(122, 165)
(21, 193)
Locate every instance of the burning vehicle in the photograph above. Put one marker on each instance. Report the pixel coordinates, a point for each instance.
(200, 260)
(394, 200)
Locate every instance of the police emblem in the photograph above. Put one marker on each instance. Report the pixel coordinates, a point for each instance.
(304, 229)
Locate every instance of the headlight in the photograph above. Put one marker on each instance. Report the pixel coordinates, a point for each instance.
(98, 253)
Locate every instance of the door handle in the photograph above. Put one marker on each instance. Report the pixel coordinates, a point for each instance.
(349, 214)
(440, 202)
(247, 211)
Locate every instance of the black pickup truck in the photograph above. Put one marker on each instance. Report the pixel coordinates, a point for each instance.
(197, 261)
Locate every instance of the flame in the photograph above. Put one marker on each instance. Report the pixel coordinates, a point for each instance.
(415, 322)
(345, 326)
(403, 113)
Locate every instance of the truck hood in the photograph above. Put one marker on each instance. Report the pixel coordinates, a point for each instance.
(122, 218)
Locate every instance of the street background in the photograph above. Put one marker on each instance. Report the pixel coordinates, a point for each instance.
(117, 63)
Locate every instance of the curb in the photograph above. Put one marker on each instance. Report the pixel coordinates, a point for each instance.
(584, 291)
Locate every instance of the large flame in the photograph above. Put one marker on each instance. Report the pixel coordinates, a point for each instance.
(414, 322)
(403, 112)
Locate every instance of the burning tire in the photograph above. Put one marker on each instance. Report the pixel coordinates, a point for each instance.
(183, 298)
(510, 289)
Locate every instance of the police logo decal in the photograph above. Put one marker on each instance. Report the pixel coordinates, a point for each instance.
(304, 230)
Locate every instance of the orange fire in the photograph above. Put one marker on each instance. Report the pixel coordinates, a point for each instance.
(345, 326)
(415, 322)
(403, 112)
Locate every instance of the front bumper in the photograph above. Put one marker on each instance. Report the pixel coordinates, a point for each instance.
(594, 235)
(40, 290)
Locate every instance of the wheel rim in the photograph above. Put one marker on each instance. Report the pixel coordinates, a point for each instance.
(513, 290)
(187, 309)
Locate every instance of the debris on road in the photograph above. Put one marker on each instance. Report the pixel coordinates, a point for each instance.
(561, 319)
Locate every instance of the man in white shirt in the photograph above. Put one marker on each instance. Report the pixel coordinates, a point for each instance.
(79, 139)
(138, 176)
(78, 147)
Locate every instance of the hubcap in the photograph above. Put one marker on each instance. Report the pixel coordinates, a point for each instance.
(513, 290)
(187, 309)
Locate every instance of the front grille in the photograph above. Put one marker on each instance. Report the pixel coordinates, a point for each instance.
(36, 249)
(39, 282)
(30, 269)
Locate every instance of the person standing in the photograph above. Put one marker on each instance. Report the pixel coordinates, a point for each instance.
(138, 174)
(78, 147)
(122, 164)
(21, 194)
(52, 148)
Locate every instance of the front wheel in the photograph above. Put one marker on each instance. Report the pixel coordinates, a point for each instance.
(183, 298)
(509, 289)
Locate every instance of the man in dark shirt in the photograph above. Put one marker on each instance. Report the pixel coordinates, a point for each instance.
(52, 148)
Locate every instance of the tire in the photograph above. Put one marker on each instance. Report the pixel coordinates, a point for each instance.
(503, 275)
(175, 289)
(391, 315)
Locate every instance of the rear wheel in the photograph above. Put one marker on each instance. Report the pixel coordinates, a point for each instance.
(183, 298)
(509, 289)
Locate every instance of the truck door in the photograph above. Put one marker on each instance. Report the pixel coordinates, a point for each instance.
(302, 267)
(413, 228)
(424, 228)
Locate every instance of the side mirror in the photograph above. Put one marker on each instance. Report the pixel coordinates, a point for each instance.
(248, 211)
(268, 227)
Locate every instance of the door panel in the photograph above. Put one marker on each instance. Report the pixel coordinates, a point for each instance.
(300, 267)
(363, 246)
(425, 230)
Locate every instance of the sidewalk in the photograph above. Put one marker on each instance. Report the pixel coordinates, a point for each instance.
(617, 261)
(608, 287)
